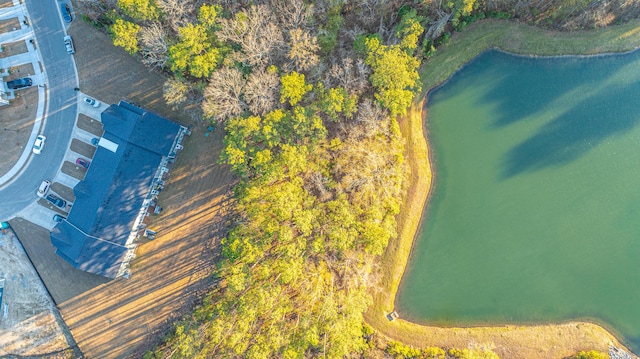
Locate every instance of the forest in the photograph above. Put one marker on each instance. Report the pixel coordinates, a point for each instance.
(309, 94)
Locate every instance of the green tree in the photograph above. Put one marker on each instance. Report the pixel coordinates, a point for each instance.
(197, 49)
(395, 75)
(409, 30)
(473, 354)
(125, 35)
(337, 101)
(142, 10)
(591, 354)
(293, 88)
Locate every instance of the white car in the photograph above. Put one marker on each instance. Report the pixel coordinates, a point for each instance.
(92, 102)
(44, 188)
(39, 144)
(68, 43)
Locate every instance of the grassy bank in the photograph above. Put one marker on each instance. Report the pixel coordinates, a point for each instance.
(543, 341)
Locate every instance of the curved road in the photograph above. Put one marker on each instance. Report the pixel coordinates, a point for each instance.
(61, 109)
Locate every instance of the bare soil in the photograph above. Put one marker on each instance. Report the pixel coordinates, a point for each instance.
(16, 122)
(8, 25)
(13, 48)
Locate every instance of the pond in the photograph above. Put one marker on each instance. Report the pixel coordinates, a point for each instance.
(534, 216)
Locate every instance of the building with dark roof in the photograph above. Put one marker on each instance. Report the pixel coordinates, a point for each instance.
(99, 233)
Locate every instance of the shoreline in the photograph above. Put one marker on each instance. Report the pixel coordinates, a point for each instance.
(511, 340)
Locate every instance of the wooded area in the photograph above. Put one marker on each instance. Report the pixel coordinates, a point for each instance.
(309, 94)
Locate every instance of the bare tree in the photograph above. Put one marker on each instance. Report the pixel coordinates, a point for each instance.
(370, 118)
(175, 92)
(262, 91)
(257, 33)
(303, 50)
(353, 77)
(293, 14)
(223, 95)
(96, 9)
(153, 46)
(178, 12)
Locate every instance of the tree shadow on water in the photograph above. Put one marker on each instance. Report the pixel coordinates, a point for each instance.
(528, 85)
(566, 138)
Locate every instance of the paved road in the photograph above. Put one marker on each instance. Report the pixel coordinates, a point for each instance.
(61, 109)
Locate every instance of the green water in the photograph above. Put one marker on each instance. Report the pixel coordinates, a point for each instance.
(535, 213)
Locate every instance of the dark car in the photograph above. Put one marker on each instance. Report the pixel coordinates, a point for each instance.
(56, 200)
(19, 83)
(58, 218)
(66, 12)
(82, 162)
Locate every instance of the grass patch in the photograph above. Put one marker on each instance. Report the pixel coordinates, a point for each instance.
(540, 341)
(13, 48)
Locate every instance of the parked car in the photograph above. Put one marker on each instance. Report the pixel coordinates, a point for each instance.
(19, 83)
(59, 202)
(39, 144)
(68, 43)
(91, 101)
(44, 188)
(66, 12)
(58, 218)
(82, 162)
(94, 141)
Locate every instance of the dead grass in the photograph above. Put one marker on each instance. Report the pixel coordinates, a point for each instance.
(73, 170)
(541, 341)
(13, 48)
(16, 121)
(90, 125)
(16, 72)
(8, 25)
(82, 148)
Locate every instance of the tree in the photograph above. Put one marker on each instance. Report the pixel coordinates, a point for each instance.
(177, 12)
(125, 35)
(591, 354)
(337, 101)
(262, 91)
(409, 30)
(153, 46)
(395, 75)
(256, 33)
(175, 92)
(293, 88)
(139, 9)
(303, 49)
(197, 51)
(223, 95)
